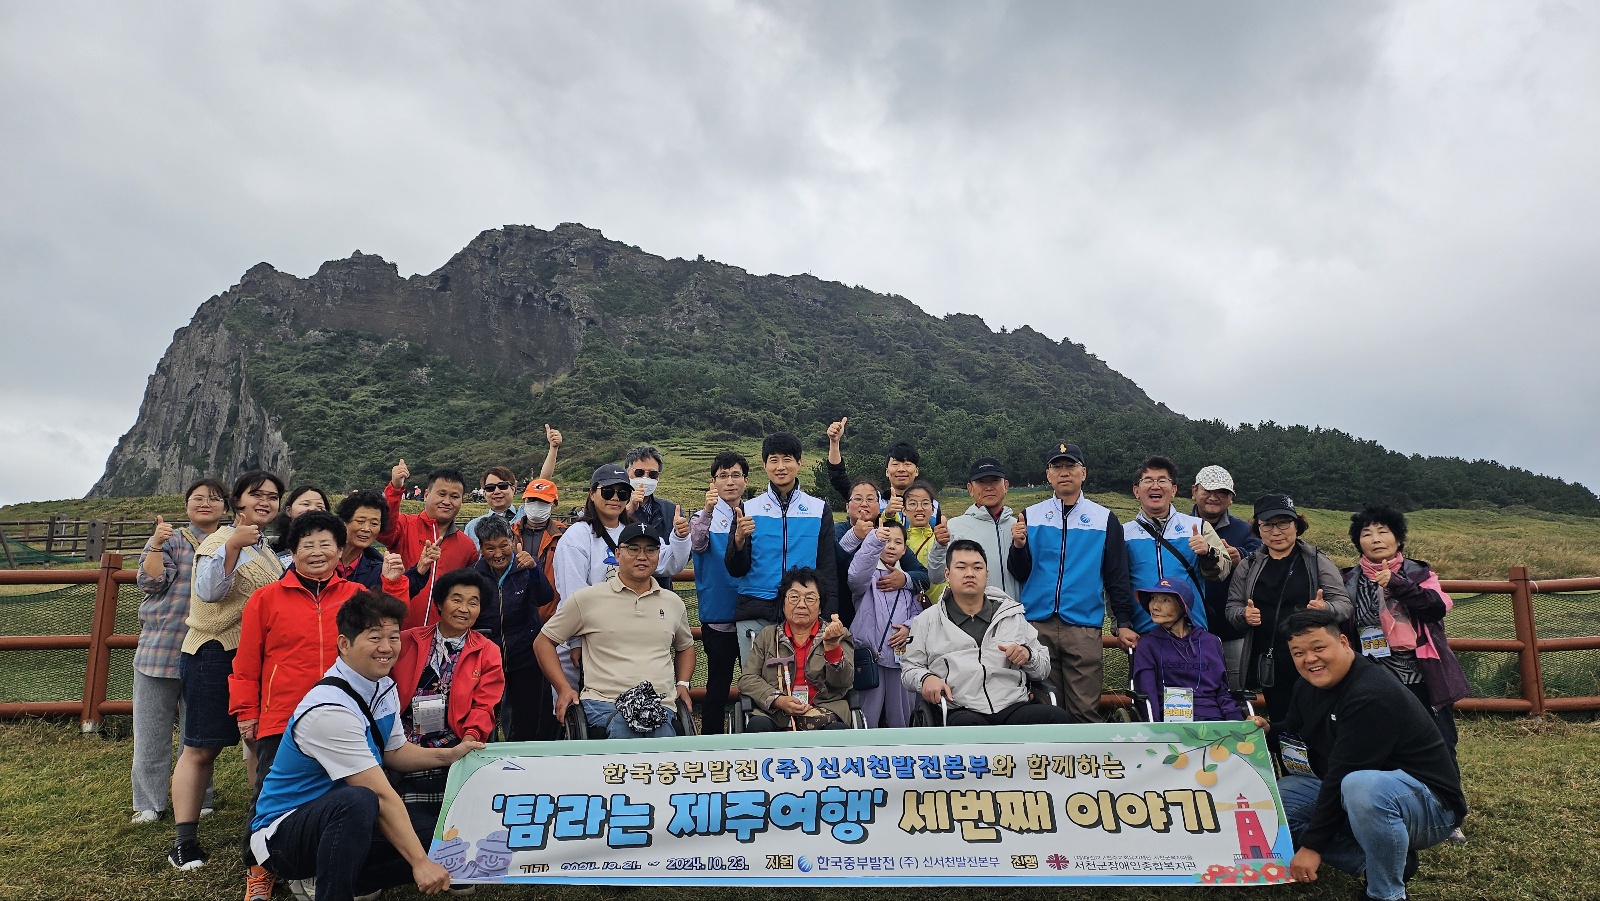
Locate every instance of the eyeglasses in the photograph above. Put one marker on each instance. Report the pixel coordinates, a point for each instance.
(809, 600)
(646, 474)
(205, 499)
(1276, 525)
(616, 492)
(1146, 482)
(646, 549)
(497, 486)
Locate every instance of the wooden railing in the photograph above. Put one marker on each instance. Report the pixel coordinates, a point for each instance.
(102, 639)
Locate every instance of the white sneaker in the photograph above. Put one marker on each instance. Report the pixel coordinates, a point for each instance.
(145, 816)
(371, 896)
(303, 889)
(206, 811)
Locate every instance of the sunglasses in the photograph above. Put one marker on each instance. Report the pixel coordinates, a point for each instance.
(497, 486)
(646, 474)
(616, 492)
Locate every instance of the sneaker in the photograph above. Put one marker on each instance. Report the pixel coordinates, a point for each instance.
(187, 855)
(370, 896)
(1457, 837)
(206, 811)
(303, 889)
(258, 883)
(461, 891)
(142, 817)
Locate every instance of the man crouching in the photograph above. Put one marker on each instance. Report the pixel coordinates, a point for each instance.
(314, 820)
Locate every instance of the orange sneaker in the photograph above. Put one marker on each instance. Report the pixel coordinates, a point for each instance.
(259, 883)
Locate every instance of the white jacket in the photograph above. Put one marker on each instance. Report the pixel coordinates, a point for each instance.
(980, 677)
(977, 525)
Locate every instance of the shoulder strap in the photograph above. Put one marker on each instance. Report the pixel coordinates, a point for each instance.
(378, 737)
(1194, 577)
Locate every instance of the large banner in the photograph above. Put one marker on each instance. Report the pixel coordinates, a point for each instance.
(1112, 804)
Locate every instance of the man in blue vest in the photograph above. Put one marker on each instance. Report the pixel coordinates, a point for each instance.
(778, 530)
(1164, 544)
(717, 592)
(1213, 495)
(1068, 555)
(327, 818)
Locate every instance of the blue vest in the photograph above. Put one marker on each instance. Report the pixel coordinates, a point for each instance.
(715, 591)
(1065, 578)
(296, 777)
(1149, 563)
(783, 540)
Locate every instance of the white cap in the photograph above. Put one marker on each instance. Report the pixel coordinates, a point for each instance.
(1214, 478)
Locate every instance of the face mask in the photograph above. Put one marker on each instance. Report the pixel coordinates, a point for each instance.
(647, 486)
(537, 511)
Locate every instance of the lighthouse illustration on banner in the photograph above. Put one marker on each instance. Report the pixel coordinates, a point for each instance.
(1253, 842)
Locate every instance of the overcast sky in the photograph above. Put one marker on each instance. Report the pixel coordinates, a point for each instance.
(1376, 217)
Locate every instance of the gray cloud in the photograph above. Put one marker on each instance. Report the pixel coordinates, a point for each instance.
(1368, 216)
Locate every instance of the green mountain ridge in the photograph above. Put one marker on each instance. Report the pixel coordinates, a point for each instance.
(336, 376)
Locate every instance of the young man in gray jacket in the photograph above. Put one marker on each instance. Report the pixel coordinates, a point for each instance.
(988, 521)
(976, 650)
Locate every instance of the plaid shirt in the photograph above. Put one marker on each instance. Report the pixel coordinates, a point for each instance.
(165, 606)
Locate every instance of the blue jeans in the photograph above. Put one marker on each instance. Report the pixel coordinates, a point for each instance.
(603, 715)
(1390, 813)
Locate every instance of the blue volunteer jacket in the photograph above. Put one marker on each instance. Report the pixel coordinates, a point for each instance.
(1071, 558)
(1149, 562)
(789, 533)
(716, 591)
(296, 777)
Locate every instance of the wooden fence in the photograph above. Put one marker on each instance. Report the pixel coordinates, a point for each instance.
(102, 639)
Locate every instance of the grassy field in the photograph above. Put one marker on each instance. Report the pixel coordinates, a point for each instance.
(64, 831)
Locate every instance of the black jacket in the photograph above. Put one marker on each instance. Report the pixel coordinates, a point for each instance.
(1369, 721)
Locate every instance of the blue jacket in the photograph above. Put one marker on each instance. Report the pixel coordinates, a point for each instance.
(1149, 562)
(511, 618)
(717, 593)
(797, 531)
(1072, 557)
(296, 777)
(1236, 532)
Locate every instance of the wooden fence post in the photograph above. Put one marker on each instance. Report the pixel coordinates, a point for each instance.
(1522, 616)
(97, 672)
(94, 546)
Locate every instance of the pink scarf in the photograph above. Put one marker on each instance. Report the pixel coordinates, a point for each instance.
(1401, 634)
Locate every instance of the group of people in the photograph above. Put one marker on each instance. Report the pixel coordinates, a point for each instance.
(335, 662)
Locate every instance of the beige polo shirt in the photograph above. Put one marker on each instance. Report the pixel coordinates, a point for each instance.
(628, 638)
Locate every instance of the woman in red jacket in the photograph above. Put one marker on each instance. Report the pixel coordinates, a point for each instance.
(449, 678)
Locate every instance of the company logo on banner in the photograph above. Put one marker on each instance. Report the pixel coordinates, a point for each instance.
(1128, 804)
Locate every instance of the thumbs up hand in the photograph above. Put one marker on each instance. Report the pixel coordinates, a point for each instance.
(1198, 544)
(897, 505)
(1233, 553)
(1382, 578)
(429, 556)
(743, 527)
(399, 474)
(1019, 532)
(711, 498)
(836, 430)
(833, 634)
(941, 534)
(1252, 616)
(1017, 654)
(164, 531)
(680, 524)
(1317, 603)
(552, 437)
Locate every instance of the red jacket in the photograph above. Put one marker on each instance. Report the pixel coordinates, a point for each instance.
(407, 532)
(475, 690)
(287, 641)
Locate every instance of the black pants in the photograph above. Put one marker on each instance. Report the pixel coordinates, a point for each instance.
(1444, 718)
(266, 752)
(722, 648)
(528, 711)
(335, 839)
(1022, 713)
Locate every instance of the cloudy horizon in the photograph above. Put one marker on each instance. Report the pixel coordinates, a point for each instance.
(1373, 217)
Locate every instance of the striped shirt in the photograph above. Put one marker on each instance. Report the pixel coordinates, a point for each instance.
(165, 605)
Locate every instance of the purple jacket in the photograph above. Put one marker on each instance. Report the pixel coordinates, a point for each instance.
(877, 611)
(1194, 661)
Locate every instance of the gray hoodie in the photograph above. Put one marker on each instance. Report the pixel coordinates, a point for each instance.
(980, 678)
(977, 525)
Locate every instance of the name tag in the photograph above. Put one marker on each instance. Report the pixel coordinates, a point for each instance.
(427, 714)
(1177, 705)
(1296, 759)
(1373, 642)
(803, 695)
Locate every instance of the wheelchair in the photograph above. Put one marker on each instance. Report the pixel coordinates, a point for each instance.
(576, 725)
(927, 715)
(739, 713)
(1142, 709)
